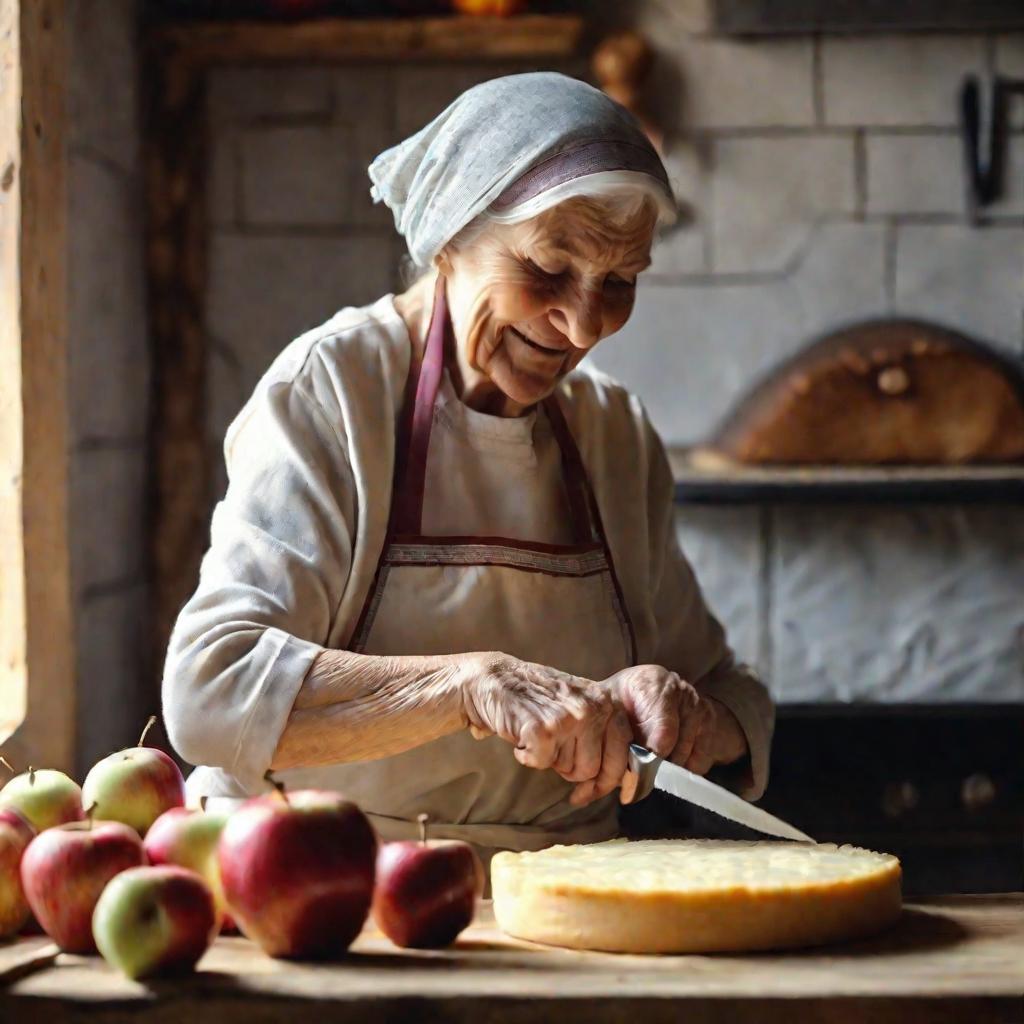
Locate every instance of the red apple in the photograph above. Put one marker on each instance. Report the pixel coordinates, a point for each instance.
(298, 872)
(44, 796)
(134, 786)
(65, 869)
(426, 892)
(189, 839)
(15, 835)
(155, 920)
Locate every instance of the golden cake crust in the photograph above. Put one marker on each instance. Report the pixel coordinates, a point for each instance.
(694, 895)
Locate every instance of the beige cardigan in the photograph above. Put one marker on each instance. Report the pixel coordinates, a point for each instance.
(295, 542)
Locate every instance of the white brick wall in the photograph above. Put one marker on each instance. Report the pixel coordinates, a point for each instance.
(826, 186)
(907, 81)
(768, 193)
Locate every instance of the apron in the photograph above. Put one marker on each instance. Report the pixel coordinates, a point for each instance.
(558, 605)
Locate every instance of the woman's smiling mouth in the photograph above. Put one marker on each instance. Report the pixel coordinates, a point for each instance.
(540, 349)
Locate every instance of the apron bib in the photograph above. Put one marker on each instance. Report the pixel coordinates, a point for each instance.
(558, 605)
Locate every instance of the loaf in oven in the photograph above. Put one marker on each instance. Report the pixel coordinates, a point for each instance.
(882, 392)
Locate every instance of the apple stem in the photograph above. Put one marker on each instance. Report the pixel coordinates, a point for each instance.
(202, 802)
(7, 764)
(277, 784)
(149, 725)
(31, 775)
(422, 819)
(89, 812)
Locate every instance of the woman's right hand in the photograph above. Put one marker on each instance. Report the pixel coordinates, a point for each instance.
(553, 719)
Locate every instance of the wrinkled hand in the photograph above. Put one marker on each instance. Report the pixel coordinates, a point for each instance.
(669, 716)
(553, 719)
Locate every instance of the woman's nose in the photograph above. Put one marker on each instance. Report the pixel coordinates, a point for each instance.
(583, 318)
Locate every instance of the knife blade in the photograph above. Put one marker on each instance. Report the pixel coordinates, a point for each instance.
(647, 771)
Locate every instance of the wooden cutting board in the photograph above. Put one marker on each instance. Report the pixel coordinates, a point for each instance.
(952, 960)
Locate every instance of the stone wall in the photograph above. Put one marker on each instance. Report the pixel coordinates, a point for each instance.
(825, 181)
(108, 378)
(825, 176)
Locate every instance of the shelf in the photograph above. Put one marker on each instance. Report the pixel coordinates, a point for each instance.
(749, 485)
(331, 40)
(780, 17)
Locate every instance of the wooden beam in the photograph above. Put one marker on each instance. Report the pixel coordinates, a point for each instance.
(37, 657)
(179, 498)
(335, 40)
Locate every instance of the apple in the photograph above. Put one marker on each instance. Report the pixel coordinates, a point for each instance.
(297, 871)
(65, 869)
(426, 892)
(189, 839)
(134, 786)
(155, 920)
(15, 835)
(44, 796)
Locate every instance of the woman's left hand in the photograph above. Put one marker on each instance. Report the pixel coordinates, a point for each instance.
(670, 717)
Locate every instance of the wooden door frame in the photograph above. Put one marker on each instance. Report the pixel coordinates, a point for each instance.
(179, 57)
(37, 644)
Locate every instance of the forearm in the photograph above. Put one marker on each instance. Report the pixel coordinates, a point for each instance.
(359, 707)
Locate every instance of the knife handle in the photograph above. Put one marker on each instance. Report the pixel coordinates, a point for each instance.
(641, 767)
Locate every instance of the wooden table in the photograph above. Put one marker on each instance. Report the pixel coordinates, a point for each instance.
(954, 960)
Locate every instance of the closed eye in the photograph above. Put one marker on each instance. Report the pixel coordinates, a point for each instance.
(540, 270)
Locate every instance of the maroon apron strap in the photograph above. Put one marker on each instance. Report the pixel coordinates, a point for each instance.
(585, 526)
(418, 416)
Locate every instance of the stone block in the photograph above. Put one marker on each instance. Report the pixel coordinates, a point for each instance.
(295, 176)
(116, 691)
(898, 605)
(108, 340)
(315, 174)
(690, 350)
(249, 94)
(914, 174)
(223, 199)
(897, 80)
(263, 292)
(963, 277)
(769, 192)
(107, 509)
(920, 173)
(682, 249)
(724, 547)
(364, 112)
(1009, 61)
(741, 84)
(102, 80)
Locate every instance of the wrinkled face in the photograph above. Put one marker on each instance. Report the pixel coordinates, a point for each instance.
(528, 301)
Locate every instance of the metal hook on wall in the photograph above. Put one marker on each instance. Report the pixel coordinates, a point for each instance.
(984, 115)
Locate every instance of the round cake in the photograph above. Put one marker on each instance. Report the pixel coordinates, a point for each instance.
(694, 895)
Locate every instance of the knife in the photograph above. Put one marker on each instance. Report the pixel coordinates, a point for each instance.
(647, 771)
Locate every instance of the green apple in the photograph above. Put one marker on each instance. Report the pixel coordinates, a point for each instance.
(189, 838)
(154, 920)
(45, 797)
(134, 786)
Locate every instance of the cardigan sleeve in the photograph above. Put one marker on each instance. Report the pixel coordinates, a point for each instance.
(689, 639)
(270, 583)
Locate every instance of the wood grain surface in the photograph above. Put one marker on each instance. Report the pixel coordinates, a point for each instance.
(953, 959)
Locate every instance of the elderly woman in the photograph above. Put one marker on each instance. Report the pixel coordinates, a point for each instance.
(444, 578)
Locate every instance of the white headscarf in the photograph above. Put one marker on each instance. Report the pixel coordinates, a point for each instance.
(505, 142)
